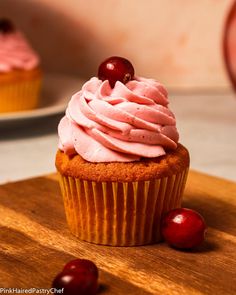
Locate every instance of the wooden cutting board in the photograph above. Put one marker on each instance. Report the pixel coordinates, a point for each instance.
(35, 243)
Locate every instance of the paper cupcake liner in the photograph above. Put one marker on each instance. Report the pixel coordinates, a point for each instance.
(120, 213)
(19, 96)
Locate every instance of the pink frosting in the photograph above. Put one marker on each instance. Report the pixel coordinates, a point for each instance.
(16, 53)
(122, 124)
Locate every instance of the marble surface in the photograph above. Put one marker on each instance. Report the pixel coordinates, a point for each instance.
(206, 123)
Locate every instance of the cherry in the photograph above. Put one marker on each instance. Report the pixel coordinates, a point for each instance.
(76, 283)
(114, 69)
(6, 26)
(183, 228)
(82, 265)
(79, 276)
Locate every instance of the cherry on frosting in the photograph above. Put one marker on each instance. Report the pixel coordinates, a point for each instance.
(183, 228)
(114, 69)
(6, 26)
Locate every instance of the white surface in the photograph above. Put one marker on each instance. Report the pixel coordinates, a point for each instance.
(207, 127)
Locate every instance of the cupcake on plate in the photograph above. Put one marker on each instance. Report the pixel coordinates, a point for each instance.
(120, 164)
(20, 73)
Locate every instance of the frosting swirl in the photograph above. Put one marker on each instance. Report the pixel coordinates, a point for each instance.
(120, 124)
(16, 53)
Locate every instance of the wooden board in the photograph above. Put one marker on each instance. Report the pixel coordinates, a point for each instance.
(35, 243)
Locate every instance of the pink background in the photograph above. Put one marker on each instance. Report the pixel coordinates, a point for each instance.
(177, 42)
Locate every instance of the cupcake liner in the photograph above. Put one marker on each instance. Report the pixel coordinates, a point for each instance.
(120, 213)
(18, 96)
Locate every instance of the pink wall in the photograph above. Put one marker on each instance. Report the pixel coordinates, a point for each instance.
(178, 42)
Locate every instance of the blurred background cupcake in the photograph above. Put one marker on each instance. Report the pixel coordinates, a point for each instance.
(20, 73)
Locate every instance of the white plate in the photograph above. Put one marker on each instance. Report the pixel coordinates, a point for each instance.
(56, 92)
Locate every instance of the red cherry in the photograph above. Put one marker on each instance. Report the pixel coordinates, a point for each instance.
(114, 69)
(183, 228)
(6, 26)
(76, 283)
(82, 265)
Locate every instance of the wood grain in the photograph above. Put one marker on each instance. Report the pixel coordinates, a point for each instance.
(35, 243)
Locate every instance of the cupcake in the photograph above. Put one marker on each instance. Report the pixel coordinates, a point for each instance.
(120, 163)
(20, 73)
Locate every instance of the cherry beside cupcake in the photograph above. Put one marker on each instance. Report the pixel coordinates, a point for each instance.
(120, 163)
(183, 228)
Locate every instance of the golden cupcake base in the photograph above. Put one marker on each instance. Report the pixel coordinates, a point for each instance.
(19, 90)
(120, 213)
